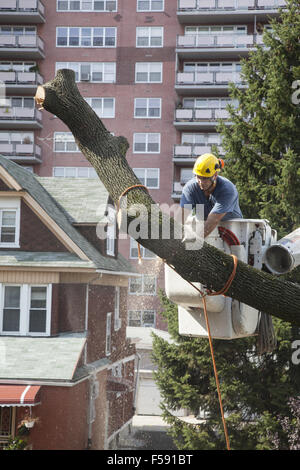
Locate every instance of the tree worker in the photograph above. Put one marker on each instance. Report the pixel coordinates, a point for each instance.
(217, 194)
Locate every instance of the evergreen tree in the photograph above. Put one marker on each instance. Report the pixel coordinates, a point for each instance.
(255, 390)
(262, 146)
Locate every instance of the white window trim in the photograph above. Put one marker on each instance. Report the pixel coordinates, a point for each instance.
(64, 151)
(141, 317)
(15, 205)
(142, 251)
(146, 143)
(25, 310)
(92, 36)
(148, 64)
(91, 172)
(143, 285)
(145, 176)
(102, 98)
(150, 4)
(147, 108)
(108, 334)
(149, 37)
(117, 319)
(68, 65)
(87, 11)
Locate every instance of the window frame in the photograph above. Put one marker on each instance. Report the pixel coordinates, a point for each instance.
(11, 204)
(92, 10)
(150, 5)
(147, 108)
(149, 37)
(142, 312)
(25, 303)
(148, 72)
(108, 336)
(145, 176)
(77, 65)
(142, 277)
(93, 28)
(147, 151)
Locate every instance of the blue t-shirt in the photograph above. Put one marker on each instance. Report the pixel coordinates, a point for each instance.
(223, 199)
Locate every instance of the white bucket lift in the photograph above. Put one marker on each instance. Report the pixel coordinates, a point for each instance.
(248, 239)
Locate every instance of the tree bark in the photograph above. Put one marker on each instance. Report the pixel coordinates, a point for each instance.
(208, 265)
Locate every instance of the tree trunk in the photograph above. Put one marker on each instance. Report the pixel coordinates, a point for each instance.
(208, 265)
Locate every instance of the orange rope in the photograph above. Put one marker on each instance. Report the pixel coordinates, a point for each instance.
(203, 295)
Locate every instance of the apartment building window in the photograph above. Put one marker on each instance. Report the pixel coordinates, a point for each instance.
(98, 72)
(18, 30)
(15, 138)
(145, 253)
(206, 67)
(9, 223)
(148, 72)
(212, 30)
(146, 143)
(142, 285)
(150, 5)
(147, 107)
(208, 103)
(145, 318)
(20, 102)
(64, 142)
(103, 107)
(201, 139)
(87, 5)
(185, 175)
(25, 309)
(74, 172)
(149, 36)
(86, 37)
(148, 176)
(108, 334)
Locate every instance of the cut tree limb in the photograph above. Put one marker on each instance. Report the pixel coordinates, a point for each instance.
(208, 265)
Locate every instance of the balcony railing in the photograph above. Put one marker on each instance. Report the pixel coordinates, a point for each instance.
(18, 118)
(206, 114)
(21, 78)
(216, 41)
(201, 5)
(32, 10)
(30, 153)
(208, 78)
(31, 46)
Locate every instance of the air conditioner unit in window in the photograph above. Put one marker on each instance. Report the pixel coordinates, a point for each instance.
(85, 77)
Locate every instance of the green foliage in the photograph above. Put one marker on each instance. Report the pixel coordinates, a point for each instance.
(254, 389)
(263, 144)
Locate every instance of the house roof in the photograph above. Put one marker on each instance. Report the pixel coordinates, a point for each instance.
(48, 358)
(60, 215)
(84, 201)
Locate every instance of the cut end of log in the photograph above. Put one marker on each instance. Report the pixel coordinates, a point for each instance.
(40, 97)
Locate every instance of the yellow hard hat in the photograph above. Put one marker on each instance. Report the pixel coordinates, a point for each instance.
(207, 164)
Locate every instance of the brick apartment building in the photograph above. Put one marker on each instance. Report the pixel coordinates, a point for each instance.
(156, 71)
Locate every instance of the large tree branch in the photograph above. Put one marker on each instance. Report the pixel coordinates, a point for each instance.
(208, 265)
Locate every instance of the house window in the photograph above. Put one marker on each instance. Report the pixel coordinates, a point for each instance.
(149, 36)
(144, 318)
(147, 108)
(148, 176)
(25, 309)
(142, 285)
(108, 334)
(148, 72)
(103, 107)
(86, 37)
(145, 253)
(117, 309)
(87, 5)
(98, 72)
(9, 222)
(6, 422)
(146, 143)
(64, 142)
(150, 5)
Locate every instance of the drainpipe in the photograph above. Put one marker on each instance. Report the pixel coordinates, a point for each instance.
(136, 380)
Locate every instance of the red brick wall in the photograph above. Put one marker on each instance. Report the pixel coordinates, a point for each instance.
(62, 417)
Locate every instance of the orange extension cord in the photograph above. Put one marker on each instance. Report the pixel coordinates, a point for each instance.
(203, 295)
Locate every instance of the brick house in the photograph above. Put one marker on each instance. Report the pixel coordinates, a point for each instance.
(64, 356)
